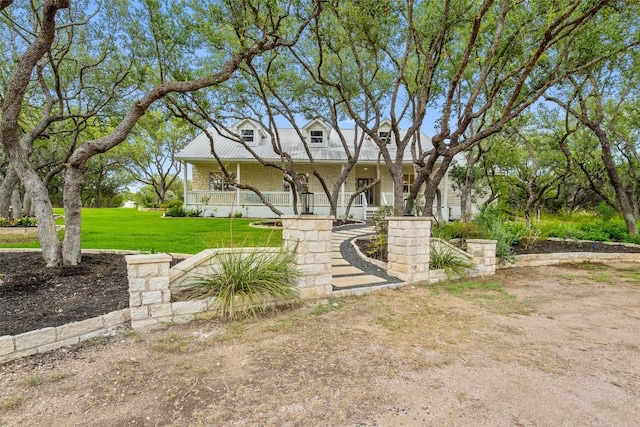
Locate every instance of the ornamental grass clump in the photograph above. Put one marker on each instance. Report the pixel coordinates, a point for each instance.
(247, 284)
(443, 258)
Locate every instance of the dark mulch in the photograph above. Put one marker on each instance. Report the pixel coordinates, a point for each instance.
(33, 296)
(557, 246)
(534, 247)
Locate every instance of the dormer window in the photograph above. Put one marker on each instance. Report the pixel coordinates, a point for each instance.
(385, 136)
(317, 137)
(247, 135)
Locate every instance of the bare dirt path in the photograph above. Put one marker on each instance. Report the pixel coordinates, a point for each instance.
(528, 347)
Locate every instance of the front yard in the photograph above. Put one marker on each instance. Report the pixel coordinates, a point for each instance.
(538, 346)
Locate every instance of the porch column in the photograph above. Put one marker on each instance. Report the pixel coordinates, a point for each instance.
(342, 189)
(237, 189)
(408, 248)
(184, 184)
(445, 197)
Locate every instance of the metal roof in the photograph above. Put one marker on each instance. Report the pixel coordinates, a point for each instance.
(331, 152)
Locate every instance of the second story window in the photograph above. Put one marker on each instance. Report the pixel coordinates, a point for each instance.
(317, 137)
(247, 135)
(385, 136)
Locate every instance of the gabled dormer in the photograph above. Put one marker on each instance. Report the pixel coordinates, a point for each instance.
(249, 131)
(384, 131)
(316, 133)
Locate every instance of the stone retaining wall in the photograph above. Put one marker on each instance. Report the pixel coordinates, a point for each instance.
(27, 231)
(537, 260)
(47, 339)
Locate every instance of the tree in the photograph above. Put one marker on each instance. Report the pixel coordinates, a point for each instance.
(271, 90)
(105, 182)
(84, 67)
(531, 160)
(149, 153)
(477, 64)
(595, 99)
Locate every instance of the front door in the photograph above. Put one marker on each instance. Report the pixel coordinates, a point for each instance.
(363, 182)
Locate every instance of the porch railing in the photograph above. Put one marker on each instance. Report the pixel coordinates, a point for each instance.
(249, 198)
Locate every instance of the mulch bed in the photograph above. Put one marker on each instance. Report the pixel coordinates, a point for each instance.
(33, 296)
(535, 247)
(557, 246)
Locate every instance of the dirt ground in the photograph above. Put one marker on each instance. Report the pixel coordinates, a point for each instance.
(528, 347)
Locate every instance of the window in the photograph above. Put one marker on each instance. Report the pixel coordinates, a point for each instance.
(385, 136)
(407, 180)
(286, 186)
(247, 135)
(218, 182)
(317, 137)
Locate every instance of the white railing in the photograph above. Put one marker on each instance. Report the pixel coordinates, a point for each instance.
(211, 198)
(276, 198)
(249, 198)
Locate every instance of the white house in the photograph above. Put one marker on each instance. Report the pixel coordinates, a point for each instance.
(215, 195)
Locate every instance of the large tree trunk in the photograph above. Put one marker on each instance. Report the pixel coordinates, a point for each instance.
(616, 181)
(6, 190)
(439, 217)
(43, 210)
(27, 206)
(71, 252)
(16, 203)
(467, 189)
(431, 184)
(395, 170)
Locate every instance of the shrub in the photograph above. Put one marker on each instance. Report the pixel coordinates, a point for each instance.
(443, 258)
(176, 211)
(460, 230)
(506, 234)
(381, 228)
(193, 213)
(605, 212)
(245, 285)
(4, 222)
(171, 204)
(25, 221)
(610, 230)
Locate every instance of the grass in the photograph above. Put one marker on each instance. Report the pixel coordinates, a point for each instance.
(331, 305)
(129, 229)
(34, 379)
(489, 294)
(170, 343)
(11, 402)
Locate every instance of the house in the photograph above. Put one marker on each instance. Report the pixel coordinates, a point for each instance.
(216, 195)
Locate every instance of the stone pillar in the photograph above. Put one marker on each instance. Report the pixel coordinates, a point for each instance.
(484, 256)
(149, 294)
(310, 237)
(408, 248)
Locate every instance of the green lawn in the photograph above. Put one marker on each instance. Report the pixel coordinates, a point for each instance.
(120, 228)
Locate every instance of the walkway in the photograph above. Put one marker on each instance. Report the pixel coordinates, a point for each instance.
(348, 269)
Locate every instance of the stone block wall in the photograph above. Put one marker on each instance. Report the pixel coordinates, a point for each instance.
(42, 340)
(408, 248)
(149, 294)
(484, 256)
(310, 237)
